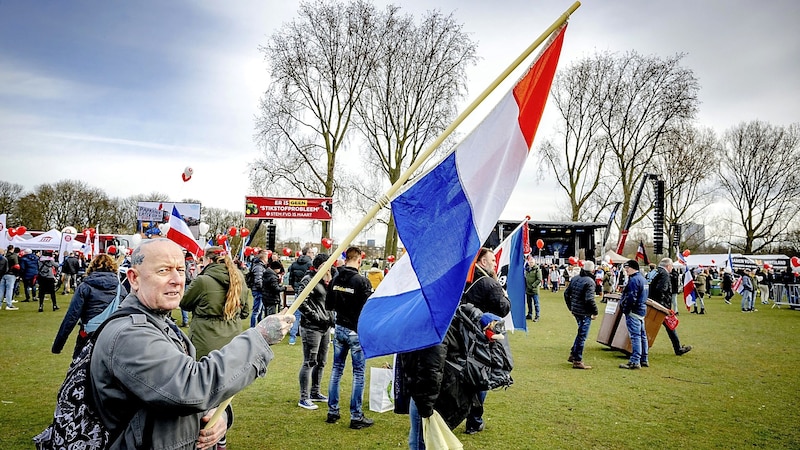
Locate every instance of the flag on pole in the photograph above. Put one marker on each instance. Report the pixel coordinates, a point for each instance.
(737, 285)
(689, 293)
(642, 254)
(730, 259)
(180, 234)
(96, 244)
(510, 255)
(446, 214)
(682, 259)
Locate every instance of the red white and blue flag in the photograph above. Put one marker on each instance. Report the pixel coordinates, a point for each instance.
(510, 256)
(444, 217)
(737, 285)
(689, 293)
(642, 254)
(180, 234)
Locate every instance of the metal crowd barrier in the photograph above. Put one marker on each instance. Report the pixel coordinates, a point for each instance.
(786, 294)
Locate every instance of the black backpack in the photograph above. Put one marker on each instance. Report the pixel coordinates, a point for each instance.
(486, 363)
(76, 424)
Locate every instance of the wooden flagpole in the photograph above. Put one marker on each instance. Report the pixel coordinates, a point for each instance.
(385, 199)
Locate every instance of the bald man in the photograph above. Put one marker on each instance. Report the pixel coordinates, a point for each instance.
(149, 390)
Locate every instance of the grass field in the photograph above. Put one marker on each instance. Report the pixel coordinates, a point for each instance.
(738, 388)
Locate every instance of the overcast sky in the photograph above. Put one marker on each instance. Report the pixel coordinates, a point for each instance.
(124, 95)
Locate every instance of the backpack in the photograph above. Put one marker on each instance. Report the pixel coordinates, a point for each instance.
(486, 363)
(250, 278)
(46, 270)
(76, 424)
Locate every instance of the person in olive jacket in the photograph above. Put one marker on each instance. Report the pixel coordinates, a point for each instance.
(218, 302)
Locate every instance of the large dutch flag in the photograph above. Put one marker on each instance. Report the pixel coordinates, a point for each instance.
(689, 293)
(445, 216)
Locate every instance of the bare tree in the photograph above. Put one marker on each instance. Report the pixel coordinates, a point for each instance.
(10, 193)
(577, 154)
(319, 65)
(643, 98)
(412, 93)
(689, 167)
(760, 173)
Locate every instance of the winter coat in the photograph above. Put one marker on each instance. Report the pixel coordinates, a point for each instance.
(70, 265)
(297, 270)
(700, 283)
(47, 265)
(149, 389)
(375, 276)
(727, 282)
(533, 280)
(29, 264)
(579, 295)
(205, 299)
(486, 294)
(634, 297)
(313, 314)
(90, 299)
(348, 292)
(660, 289)
(271, 287)
(13, 263)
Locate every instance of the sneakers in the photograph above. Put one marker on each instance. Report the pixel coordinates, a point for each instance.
(684, 350)
(358, 424)
(306, 404)
(292, 340)
(536, 319)
(630, 366)
(728, 302)
(319, 398)
(644, 364)
(11, 308)
(580, 365)
(332, 418)
(571, 358)
(472, 430)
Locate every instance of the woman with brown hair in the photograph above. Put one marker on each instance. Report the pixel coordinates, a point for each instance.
(218, 301)
(91, 298)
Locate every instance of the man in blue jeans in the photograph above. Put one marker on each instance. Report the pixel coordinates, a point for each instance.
(579, 298)
(634, 307)
(347, 294)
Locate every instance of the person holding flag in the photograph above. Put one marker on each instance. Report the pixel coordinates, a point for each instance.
(486, 294)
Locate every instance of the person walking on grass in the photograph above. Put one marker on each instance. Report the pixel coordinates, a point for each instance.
(579, 297)
(661, 292)
(633, 305)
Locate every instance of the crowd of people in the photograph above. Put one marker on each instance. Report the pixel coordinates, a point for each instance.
(214, 359)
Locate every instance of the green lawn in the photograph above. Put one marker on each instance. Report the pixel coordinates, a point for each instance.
(738, 388)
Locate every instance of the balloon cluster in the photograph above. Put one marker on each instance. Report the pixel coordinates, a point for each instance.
(573, 261)
(18, 231)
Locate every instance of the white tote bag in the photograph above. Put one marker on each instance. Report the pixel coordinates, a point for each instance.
(381, 389)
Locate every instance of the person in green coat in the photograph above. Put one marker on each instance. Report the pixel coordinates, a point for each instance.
(218, 301)
(533, 280)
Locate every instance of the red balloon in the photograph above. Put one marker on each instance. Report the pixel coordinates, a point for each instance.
(269, 253)
(232, 231)
(539, 244)
(390, 258)
(795, 261)
(21, 230)
(12, 232)
(686, 253)
(713, 262)
(327, 242)
(111, 250)
(580, 263)
(244, 232)
(248, 251)
(573, 260)
(287, 251)
(221, 239)
(363, 255)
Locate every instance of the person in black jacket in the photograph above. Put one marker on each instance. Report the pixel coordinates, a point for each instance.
(316, 323)
(579, 297)
(485, 293)
(271, 288)
(661, 293)
(69, 270)
(347, 295)
(90, 299)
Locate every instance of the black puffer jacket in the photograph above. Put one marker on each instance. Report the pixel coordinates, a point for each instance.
(486, 294)
(313, 314)
(271, 287)
(579, 295)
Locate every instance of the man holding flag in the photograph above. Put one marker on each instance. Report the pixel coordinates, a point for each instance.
(486, 294)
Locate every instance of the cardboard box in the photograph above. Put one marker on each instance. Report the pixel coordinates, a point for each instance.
(619, 339)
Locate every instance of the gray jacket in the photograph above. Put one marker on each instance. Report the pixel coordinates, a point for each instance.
(142, 379)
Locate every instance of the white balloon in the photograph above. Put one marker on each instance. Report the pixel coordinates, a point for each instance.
(164, 227)
(203, 228)
(70, 230)
(136, 239)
